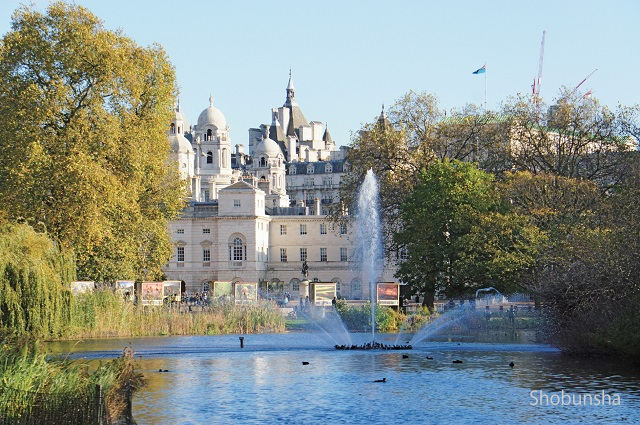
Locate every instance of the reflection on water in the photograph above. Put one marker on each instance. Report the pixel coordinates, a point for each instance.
(213, 380)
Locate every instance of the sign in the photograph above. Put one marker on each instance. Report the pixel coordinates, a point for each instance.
(222, 290)
(125, 288)
(323, 293)
(246, 293)
(79, 287)
(171, 291)
(151, 293)
(388, 294)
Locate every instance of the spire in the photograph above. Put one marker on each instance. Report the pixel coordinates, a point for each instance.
(290, 90)
(383, 120)
(178, 105)
(210, 100)
(327, 137)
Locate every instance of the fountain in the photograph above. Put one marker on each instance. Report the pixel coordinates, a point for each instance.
(370, 251)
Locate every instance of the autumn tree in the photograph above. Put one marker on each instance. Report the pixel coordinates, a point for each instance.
(576, 137)
(83, 113)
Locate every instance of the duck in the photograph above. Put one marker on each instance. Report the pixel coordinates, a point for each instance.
(512, 364)
(381, 380)
(305, 363)
(457, 361)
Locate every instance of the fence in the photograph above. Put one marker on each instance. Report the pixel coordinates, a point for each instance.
(20, 407)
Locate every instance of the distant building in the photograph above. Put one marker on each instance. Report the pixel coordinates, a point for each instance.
(257, 216)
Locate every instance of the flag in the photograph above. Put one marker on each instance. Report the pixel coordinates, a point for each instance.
(481, 70)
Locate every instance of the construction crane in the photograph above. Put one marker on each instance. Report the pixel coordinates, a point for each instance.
(581, 83)
(538, 81)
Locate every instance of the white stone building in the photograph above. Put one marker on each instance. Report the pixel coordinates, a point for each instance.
(258, 217)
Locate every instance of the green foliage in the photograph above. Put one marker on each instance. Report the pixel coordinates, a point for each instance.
(83, 113)
(358, 318)
(461, 236)
(28, 375)
(34, 275)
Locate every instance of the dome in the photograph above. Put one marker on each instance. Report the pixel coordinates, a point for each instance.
(180, 144)
(212, 116)
(268, 147)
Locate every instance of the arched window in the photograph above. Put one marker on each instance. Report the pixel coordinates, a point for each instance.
(328, 168)
(310, 169)
(263, 161)
(209, 134)
(173, 128)
(209, 157)
(237, 251)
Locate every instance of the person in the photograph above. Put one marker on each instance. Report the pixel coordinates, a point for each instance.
(306, 302)
(334, 301)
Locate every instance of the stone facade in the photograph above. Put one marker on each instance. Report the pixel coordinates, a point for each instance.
(256, 217)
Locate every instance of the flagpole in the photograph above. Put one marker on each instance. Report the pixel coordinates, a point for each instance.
(485, 89)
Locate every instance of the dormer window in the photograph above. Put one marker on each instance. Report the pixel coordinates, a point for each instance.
(292, 169)
(310, 169)
(209, 157)
(328, 168)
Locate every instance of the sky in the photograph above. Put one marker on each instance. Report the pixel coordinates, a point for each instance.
(350, 57)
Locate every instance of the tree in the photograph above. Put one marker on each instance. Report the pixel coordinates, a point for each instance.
(459, 236)
(576, 137)
(83, 113)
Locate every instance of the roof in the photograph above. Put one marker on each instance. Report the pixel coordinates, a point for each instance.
(318, 167)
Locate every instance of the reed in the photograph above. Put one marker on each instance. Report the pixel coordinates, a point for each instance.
(103, 314)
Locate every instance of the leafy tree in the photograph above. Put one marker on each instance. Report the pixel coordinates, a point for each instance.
(83, 113)
(459, 236)
(576, 137)
(33, 276)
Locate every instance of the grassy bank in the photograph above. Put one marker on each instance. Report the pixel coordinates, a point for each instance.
(103, 314)
(35, 388)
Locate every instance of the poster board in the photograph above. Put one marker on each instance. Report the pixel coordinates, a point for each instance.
(151, 293)
(222, 290)
(323, 293)
(126, 289)
(171, 291)
(79, 287)
(388, 294)
(245, 293)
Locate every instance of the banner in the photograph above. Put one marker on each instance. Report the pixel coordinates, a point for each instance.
(323, 293)
(125, 288)
(246, 293)
(79, 287)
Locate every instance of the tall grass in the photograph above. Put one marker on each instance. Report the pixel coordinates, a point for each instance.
(35, 385)
(104, 314)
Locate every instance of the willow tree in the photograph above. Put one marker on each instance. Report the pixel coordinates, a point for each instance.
(34, 281)
(83, 113)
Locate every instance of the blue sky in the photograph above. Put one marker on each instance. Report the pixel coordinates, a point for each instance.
(350, 57)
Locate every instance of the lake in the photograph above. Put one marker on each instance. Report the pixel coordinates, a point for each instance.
(211, 380)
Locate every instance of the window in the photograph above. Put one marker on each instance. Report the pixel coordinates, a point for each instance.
(295, 285)
(180, 254)
(323, 229)
(283, 255)
(303, 229)
(206, 196)
(283, 229)
(303, 254)
(323, 254)
(209, 157)
(328, 168)
(343, 254)
(236, 203)
(180, 231)
(206, 231)
(310, 169)
(206, 255)
(343, 229)
(292, 169)
(237, 250)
